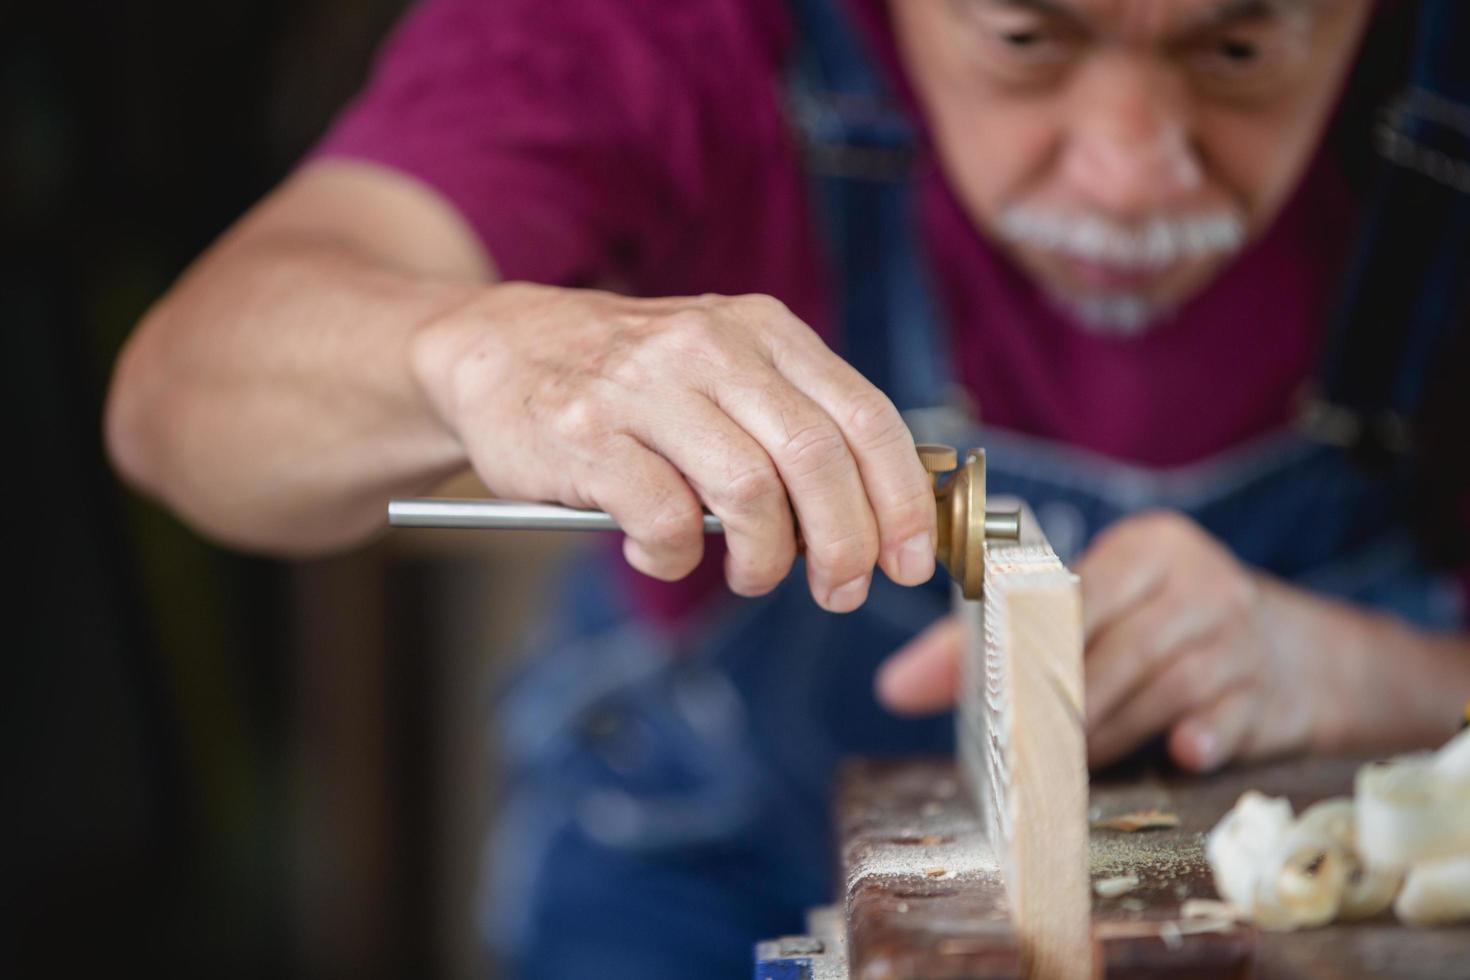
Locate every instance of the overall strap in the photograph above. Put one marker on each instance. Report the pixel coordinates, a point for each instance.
(1410, 279)
(859, 149)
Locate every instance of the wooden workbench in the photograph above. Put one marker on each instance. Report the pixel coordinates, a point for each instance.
(920, 896)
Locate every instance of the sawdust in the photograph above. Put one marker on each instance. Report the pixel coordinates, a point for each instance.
(943, 841)
(963, 855)
(1169, 860)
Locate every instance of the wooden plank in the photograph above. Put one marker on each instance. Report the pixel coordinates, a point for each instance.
(1022, 747)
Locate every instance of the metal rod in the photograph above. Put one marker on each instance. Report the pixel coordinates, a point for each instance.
(1003, 525)
(509, 515)
(521, 516)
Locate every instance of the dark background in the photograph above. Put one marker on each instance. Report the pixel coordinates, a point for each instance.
(209, 763)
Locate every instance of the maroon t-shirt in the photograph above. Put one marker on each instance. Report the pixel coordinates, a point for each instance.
(642, 144)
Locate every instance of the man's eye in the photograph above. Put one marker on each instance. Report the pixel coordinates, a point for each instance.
(1243, 63)
(1036, 45)
(1023, 39)
(1025, 49)
(1237, 52)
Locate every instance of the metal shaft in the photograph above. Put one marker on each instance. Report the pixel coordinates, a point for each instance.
(523, 516)
(509, 515)
(1003, 525)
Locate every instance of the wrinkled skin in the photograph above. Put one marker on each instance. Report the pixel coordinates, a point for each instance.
(648, 408)
(1127, 109)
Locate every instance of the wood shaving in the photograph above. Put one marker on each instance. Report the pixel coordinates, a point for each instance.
(1113, 887)
(1209, 908)
(1138, 820)
(1402, 839)
(1144, 929)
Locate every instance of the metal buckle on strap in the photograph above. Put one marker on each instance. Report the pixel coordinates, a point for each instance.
(1428, 134)
(1372, 436)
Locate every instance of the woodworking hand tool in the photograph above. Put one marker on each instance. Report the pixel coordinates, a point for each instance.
(959, 497)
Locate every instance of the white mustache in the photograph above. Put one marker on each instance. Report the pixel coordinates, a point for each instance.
(1159, 242)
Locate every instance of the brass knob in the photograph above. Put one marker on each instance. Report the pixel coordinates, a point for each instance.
(963, 522)
(937, 459)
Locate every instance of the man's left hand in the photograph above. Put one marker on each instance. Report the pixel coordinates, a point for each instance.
(1180, 639)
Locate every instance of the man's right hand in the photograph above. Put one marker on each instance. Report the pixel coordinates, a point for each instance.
(648, 408)
(349, 341)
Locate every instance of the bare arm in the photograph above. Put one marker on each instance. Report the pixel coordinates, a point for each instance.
(348, 342)
(269, 396)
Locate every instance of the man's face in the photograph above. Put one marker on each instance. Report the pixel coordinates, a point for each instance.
(1122, 151)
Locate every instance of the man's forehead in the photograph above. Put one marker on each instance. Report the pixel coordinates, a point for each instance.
(1162, 17)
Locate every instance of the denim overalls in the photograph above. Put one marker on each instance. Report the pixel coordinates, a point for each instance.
(669, 795)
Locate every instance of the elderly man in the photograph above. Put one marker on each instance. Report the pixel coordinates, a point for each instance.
(652, 257)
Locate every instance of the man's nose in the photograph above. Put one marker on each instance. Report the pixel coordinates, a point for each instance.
(1129, 149)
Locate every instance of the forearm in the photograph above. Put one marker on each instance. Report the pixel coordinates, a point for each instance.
(1377, 683)
(231, 402)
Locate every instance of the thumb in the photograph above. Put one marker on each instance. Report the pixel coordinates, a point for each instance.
(923, 677)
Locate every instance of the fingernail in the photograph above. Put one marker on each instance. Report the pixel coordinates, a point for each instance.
(1207, 747)
(916, 560)
(846, 598)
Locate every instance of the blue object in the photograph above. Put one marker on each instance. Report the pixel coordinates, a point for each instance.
(669, 802)
(785, 968)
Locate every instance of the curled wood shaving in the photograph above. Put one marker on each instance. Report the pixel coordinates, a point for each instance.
(1138, 820)
(1113, 887)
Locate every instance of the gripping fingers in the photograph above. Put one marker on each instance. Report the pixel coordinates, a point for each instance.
(736, 479)
(900, 493)
(821, 478)
(657, 511)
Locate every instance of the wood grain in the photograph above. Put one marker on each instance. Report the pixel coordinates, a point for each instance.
(1023, 748)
